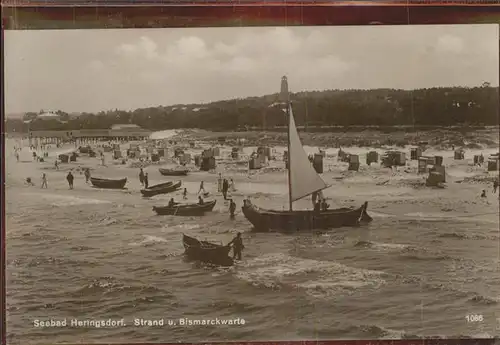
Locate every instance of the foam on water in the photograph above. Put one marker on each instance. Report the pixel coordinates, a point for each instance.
(379, 332)
(66, 200)
(481, 218)
(385, 246)
(381, 214)
(149, 239)
(179, 227)
(319, 278)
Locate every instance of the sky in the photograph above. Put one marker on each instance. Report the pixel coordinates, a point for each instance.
(98, 70)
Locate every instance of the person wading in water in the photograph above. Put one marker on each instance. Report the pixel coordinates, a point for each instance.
(317, 206)
(70, 178)
(238, 246)
(324, 205)
(146, 180)
(232, 208)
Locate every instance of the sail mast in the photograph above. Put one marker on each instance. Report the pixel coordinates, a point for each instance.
(286, 98)
(289, 160)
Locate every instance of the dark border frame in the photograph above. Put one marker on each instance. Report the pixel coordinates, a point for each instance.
(32, 15)
(85, 14)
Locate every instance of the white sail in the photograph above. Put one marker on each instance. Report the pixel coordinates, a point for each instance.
(304, 180)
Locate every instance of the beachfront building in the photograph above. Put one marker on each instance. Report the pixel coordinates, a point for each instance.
(126, 132)
(49, 116)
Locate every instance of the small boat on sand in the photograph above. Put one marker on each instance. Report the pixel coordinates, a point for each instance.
(161, 188)
(185, 209)
(173, 172)
(107, 183)
(215, 254)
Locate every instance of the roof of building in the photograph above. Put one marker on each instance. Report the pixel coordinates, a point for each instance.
(125, 126)
(48, 115)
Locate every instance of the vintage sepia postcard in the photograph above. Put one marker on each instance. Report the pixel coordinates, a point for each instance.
(251, 184)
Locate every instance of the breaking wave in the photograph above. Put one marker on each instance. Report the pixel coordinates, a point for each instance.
(317, 278)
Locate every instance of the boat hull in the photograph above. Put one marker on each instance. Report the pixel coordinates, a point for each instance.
(108, 184)
(207, 252)
(185, 210)
(169, 172)
(291, 221)
(165, 188)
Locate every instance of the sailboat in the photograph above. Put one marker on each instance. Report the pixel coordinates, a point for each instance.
(303, 180)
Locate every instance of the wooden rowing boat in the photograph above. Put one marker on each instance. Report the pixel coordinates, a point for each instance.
(185, 209)
(207, 252)
(162, 188)
(107, 183)
(173, 172)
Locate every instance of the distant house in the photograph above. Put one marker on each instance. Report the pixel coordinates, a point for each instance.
(29, 117)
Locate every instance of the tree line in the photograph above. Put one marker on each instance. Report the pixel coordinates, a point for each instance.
(450, 106)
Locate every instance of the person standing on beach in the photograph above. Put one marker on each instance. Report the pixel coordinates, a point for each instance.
(56, 165)
(87, 175)
(495, 186)
(202, 188)
(146, 180)
(232, 208)
(141, 176)
(70, 178)
(219, 183)
(232, 188)
(44, 181)
(184, 194)
(225, 187)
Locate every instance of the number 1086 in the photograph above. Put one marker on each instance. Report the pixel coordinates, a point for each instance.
(474, 318)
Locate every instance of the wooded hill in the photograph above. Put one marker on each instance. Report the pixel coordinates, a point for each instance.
(451, 106)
